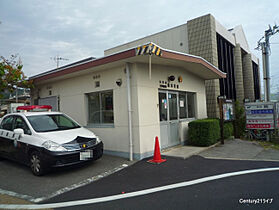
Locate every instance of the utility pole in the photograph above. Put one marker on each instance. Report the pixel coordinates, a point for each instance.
(265, 47)
(57, 59)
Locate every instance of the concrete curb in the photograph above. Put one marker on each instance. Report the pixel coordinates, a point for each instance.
(7, 199)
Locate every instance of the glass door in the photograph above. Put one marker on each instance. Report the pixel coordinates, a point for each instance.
(163, 106)
(169, 124)
(173, 111)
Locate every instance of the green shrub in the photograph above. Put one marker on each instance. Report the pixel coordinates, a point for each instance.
(240, 121)
(204, 132)
(228, 129)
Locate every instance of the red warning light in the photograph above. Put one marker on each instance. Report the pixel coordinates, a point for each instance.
(28, 108)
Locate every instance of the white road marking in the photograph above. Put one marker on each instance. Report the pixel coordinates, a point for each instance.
(80, 184)
(228, 158)
(65, 189)
(134, 194)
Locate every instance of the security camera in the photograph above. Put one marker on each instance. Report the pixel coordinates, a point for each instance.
(119, 82)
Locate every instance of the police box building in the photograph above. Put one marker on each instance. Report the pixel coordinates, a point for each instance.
(153, 86)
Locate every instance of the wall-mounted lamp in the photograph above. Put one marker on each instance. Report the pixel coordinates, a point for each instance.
(119, 82)
(180, 79)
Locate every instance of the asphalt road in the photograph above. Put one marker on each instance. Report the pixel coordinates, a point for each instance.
(17, 178)
(226, 193)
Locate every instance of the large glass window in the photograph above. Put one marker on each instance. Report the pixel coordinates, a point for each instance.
(100, 107)
(182, 105)
(173, 106)
(176, 105)
(191, 105)
(163, 106)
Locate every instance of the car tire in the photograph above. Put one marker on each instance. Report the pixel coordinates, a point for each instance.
(36, 164)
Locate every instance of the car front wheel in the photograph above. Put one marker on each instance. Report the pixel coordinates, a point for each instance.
(36, 164)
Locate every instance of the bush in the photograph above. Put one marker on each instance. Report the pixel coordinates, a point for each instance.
(228, 129)
(204, 132)
(240, 121)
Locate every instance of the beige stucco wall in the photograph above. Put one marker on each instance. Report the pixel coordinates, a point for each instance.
(198, 37)
(73, 102)
(149, 102)
(175, 39)
(144, 97)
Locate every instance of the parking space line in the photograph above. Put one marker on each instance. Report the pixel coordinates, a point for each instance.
(65, 189)
(136, 193)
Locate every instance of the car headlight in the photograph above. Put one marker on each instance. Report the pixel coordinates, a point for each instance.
(52, 146)
(98, 140)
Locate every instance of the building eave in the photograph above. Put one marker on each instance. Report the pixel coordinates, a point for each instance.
(130, 55)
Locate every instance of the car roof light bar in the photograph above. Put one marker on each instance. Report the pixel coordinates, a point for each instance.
(33, 107)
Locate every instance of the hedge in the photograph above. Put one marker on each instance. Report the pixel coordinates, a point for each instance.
(204, 132)
(240, 120)
(228, 129)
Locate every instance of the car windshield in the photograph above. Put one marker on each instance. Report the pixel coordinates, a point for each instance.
(52, 122)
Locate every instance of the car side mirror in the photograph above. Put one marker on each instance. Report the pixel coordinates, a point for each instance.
(19, 131)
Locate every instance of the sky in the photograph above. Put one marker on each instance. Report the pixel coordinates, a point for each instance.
(40, 30)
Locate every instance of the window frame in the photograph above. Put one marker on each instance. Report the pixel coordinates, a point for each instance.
(194, 95)
(24, 121)
(13, 118)
(186, 93)
(101, 124)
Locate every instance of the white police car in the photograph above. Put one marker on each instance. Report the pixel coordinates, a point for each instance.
(46, 139)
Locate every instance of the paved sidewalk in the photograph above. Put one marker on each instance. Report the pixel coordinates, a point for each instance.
(184, 151)
(241, 149)
(232, 149)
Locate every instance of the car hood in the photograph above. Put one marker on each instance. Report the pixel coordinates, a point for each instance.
(65, 136)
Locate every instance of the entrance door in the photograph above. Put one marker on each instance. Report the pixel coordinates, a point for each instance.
(173, 119)
(168, 108)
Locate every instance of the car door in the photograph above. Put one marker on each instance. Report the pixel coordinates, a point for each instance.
(6, 135)
(20, 146)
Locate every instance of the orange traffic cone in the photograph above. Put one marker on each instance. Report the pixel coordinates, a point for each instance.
(157, 154)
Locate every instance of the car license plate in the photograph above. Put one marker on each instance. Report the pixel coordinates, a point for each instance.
(86, 155)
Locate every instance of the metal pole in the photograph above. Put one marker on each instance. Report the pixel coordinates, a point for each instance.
(150, 67)
(265, 46)
(264, 74)
(16, 95)
(129, 111)
(266, 55)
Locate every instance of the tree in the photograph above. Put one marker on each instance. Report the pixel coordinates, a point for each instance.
(11, 75)
(240, 120)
